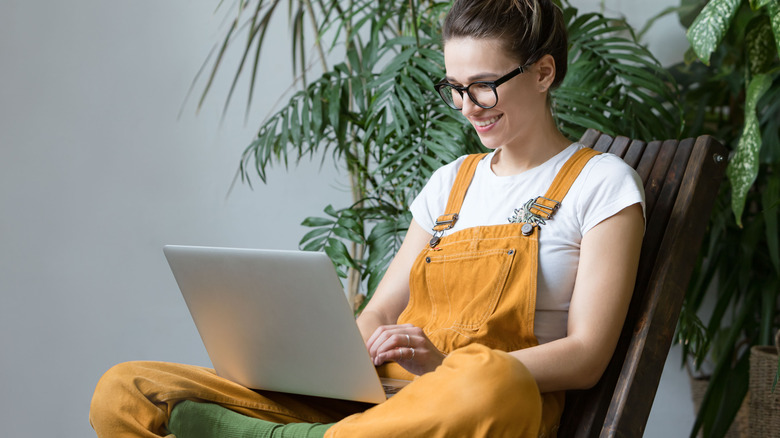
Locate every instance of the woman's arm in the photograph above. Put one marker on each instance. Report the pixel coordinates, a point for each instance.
(392, 293)
(609, 256)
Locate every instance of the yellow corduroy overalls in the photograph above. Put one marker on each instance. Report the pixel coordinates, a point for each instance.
(473, 293)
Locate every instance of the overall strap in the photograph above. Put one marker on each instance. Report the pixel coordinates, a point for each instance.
(545, 206)
(458, 192)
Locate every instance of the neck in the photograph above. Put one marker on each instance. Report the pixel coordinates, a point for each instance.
(540, 143)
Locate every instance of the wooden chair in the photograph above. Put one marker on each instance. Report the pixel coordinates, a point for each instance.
(681, 182)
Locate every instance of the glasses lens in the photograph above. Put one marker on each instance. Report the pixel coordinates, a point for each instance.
(483, 94)
(451, 96)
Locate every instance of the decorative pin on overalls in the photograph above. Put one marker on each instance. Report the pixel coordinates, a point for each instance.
(534, 214)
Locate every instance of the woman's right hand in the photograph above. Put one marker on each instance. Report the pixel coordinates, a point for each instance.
(406, 345)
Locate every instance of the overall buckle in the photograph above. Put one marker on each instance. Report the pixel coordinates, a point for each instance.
(443, 222)
(542, 211)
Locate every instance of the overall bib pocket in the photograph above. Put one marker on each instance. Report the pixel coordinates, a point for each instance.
(471, 283)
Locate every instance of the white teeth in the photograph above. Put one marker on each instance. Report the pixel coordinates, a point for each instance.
(487, 122)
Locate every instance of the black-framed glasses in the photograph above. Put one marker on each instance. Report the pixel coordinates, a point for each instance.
(482, 93)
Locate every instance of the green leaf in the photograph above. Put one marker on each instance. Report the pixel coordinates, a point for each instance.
(317, 244)
(758, 4)
(760, 46)
(316, 222)
(331, 211)
(707, 31)
(339, 254)
(686, 17)
(770, 202)
(317, 113)
(743, 167)
(774, 18)
(769, 293)
(348, 234)
(334, 105)
(295, 124)
(317, 232)
(735, 387)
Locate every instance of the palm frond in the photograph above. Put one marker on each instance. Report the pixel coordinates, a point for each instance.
(605, 58)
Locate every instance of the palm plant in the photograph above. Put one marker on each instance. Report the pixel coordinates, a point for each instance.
(376, 112)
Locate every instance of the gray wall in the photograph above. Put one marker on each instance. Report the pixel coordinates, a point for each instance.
(97, 172)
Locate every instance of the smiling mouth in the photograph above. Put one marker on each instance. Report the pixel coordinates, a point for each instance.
(484, 123)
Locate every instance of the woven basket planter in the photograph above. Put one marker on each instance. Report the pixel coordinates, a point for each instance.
(764, 405)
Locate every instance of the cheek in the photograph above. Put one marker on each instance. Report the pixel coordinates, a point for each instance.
(514, 110)
(523, 104)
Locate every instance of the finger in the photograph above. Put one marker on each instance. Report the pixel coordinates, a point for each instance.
(406, 354)
(389, 336)
(381, 330)
(378, 338)
(370, 343)
(384, 343)
(400, 355)
(394, 340)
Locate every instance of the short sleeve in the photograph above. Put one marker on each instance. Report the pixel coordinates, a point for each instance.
(609, 186)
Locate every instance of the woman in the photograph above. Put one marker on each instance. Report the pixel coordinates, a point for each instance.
(492, 318)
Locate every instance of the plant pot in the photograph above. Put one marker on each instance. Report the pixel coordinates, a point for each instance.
(764, 404)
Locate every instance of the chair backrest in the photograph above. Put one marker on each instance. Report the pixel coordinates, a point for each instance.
(681, 181)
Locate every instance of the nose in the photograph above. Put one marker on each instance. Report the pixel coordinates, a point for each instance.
(469, 107)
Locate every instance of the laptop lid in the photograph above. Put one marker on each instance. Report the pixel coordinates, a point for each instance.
(276, 320)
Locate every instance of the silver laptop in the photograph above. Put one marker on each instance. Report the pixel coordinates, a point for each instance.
(278, 321)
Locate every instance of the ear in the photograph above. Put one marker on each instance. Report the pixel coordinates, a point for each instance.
(544, 70)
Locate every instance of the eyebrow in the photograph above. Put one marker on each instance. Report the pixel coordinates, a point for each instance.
(477, 77)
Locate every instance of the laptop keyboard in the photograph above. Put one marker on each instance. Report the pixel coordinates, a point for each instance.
(390, 389)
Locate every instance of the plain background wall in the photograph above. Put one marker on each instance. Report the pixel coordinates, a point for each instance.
(98, 172)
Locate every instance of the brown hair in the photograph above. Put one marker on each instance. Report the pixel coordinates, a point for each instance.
(528, 29)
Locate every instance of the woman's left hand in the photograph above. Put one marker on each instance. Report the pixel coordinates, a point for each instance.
(405, 344)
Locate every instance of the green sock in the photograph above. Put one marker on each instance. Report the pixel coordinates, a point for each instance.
(201, 420)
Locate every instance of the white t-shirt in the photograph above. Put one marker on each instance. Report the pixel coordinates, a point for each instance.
(605, 186)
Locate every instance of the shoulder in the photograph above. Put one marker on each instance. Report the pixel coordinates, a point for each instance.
(609, 162)
(606, 186)
(444, 177)
(430, 202)
(609, 169)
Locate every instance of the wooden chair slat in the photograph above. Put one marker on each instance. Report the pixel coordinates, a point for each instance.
(634, 153)
(658, 175)
(619, 146)
(664, 195)
(647, 160)
(603, 143)
(590, 136)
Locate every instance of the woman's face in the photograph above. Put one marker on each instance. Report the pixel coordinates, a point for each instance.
(522, 102)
